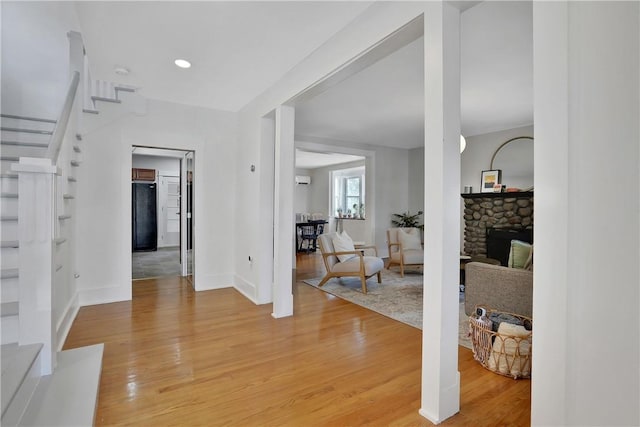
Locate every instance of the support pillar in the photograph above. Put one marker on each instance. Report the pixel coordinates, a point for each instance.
(283, 212)
(440, 376)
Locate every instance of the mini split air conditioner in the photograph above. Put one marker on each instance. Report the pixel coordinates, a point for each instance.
(305, 180)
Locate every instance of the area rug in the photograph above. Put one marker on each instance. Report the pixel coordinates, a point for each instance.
(396, 297)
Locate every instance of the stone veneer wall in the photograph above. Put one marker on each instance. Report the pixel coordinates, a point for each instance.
(501, 210)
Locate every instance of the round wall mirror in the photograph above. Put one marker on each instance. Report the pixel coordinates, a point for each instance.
(515, 159)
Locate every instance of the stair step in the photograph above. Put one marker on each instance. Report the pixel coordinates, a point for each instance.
(123, 89)
(77, 149)
(60, 240)
(28, 149)
(9, 175)
(10, 158)
(63, 217)
(79, 137)
(20, 377)
(69, 396)
(75, 163)
(9, 273)
(9, 206)
(8, 218)
(25, 144)
(9, 195)
(72, 179)
(87, 110)
(10, 244)
(22, 130)
(100, 98)
(31, 119)
(68, 196)
(20, 137)
(10, 292)
(9, 309)
(9, 259)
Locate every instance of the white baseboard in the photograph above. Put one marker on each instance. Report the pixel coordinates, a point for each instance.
(213, 281)
(66, 320)
(104, 295)
(246, 288)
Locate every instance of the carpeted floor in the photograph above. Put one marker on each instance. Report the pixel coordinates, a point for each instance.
(396, 297)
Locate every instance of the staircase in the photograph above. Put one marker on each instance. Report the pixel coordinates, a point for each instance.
(20, 137)
(40, 157)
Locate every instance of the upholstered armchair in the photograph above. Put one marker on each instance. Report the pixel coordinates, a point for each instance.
(405, 248)
(341, 259)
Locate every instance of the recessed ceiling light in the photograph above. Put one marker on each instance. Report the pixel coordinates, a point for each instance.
(182, 63)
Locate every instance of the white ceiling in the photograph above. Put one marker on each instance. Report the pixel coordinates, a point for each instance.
(313, 160)
(384, 104)
(381, 105)
(239, 49)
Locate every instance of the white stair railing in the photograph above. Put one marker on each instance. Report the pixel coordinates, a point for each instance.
(39, 207)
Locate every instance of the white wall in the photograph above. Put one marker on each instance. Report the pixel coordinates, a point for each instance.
(160, 164)
(416, 180)
(586, 363)
(387, 189)
(302, 194)
(477, 156)
(35, 56)
(104, 192)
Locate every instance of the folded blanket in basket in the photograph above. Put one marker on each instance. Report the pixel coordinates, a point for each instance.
(510, 352)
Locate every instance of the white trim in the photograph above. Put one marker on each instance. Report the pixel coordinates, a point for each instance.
(247, 289)
(283, 213)
(105, 295)
(66, 320)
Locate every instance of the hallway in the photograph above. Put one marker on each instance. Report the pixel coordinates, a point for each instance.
(161, 263)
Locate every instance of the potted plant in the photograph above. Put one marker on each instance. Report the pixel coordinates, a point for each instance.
(407, 220)
(339, 212)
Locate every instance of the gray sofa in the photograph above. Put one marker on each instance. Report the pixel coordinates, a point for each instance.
(501, 288)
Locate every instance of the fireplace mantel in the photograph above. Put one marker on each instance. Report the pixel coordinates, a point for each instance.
(503, 195)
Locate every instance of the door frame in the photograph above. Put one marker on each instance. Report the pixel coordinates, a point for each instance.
(165, 152)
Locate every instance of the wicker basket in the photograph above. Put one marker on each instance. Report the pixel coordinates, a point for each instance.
(504, 354)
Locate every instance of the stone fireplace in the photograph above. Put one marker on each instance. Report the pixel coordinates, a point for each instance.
(496, 212)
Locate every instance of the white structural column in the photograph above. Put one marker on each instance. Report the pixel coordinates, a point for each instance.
(585, 368)
(440, 376)
(551, 153)
(36, 208)
(283, 212)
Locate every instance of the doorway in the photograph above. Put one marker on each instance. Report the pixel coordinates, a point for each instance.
(159, 213)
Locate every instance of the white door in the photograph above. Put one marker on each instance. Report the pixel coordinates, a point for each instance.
(170, 206)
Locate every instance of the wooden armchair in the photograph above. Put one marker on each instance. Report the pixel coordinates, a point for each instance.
(405, 249)
(359, 265)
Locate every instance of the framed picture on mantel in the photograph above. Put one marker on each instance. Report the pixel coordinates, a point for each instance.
(489, 179)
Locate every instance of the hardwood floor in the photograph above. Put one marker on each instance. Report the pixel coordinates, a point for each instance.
(177, 357)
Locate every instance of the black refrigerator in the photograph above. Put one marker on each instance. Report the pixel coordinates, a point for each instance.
(144, 221)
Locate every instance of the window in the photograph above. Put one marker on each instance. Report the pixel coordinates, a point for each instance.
(348, 190)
